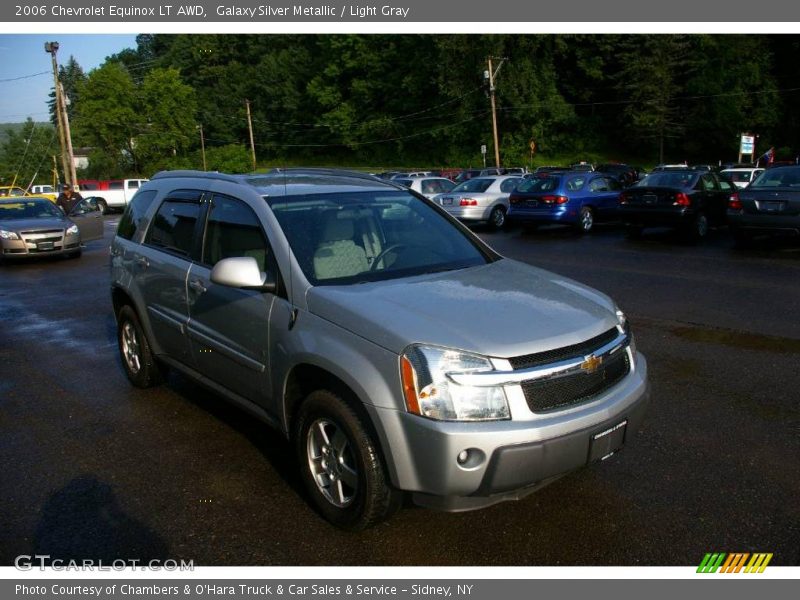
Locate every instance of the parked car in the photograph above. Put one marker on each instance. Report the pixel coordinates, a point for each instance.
(571, 198)
(484, 199)
(686, 199)
(624, 174)
(47, 191)
(12, 191)
(515, 171)
(397, 351)
(581, 166)
(450, 174)
(769, 205)
(467, 174)
(741, 177)
(428, 186)
(34, 226)
(116, 193)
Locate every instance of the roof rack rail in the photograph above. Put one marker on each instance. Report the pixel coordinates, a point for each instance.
(202, 174)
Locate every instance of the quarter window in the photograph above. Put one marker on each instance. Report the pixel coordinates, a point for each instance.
(134, 214)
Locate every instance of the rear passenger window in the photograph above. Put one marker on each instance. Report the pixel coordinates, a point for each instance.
(134, 214)
(234, 230)
(173, 226)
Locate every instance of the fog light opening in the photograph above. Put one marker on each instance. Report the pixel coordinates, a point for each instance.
(470, 458)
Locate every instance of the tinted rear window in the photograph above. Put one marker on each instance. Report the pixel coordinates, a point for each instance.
(780, 177)
(173, 226)
(539, 184)
(474, 185)
(673, 179)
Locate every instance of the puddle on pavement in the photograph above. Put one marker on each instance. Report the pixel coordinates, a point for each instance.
(739, 339)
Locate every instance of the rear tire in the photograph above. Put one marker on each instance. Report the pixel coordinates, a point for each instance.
(497, 218)
(102, 206)
(340, 464)
(137, 358)
(697, 229)
(742, 239)
(585, 221)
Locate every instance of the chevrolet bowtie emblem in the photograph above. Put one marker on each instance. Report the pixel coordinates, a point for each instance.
(591, 363)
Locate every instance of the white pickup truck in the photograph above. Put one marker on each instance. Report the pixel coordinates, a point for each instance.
(114, 194)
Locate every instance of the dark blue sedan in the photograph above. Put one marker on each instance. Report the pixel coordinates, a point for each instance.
(578, 199)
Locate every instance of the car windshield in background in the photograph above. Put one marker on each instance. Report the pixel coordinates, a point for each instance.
(347, 238)
(780, 177)
(32, 209)
(672, 179)
(473, 185)
(539, 184)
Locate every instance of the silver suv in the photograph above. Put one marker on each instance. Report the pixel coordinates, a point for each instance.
(397, 351)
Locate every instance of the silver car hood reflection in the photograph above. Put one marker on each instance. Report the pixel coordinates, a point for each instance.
(18, 225)
(502, 309)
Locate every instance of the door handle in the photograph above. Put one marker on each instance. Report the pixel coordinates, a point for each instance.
(197, 286)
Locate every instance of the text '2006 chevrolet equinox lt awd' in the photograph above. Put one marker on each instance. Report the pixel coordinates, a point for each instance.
(397, 351)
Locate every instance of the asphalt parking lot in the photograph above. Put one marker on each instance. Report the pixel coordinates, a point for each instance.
(91, 467)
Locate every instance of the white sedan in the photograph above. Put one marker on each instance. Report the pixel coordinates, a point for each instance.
(741, 177)
(483, 199)
(427, 186)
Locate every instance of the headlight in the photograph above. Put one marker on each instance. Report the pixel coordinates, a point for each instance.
(623, 320)
(429, 391)
(72, 230)
(8, 235)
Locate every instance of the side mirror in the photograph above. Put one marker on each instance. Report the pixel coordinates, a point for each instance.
(242, 272)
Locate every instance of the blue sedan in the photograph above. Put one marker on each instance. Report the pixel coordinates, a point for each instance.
(578, 199)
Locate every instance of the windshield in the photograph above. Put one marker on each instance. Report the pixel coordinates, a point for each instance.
(780, 177)
(674, 179)
(32, 209)
(355, 237)
(473, 185)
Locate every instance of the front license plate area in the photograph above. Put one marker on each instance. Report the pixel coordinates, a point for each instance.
(607, 442)
(44, 246)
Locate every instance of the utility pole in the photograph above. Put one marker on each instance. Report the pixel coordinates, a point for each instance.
(202, 146)
(250, 126)
(52, 48)
(490, 75)
(73, 178)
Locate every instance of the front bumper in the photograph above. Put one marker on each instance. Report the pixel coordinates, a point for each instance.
(509, 459)
(52, 244)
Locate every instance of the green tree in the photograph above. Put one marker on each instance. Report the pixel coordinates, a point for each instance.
(26, 154)
(71, 76)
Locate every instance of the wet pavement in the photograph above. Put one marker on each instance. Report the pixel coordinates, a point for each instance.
(91, 467)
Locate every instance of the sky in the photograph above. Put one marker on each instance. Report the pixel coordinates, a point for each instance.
(23, 55)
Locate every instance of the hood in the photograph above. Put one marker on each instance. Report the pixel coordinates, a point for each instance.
(502, 309)
(34, 224)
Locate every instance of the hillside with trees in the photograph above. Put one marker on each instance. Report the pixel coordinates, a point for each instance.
(394, 100)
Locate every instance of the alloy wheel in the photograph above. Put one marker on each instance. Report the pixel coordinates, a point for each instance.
(332, 463)
(131, 349)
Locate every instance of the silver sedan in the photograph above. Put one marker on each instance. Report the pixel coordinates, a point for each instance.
(430, 187)
(484, 199)
(32, 226)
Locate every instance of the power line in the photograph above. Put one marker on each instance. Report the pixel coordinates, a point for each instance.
(24, 77)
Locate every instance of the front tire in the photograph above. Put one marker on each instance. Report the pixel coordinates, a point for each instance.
(341, 465)
(137, 358)
(102, 206)
(497, 218)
